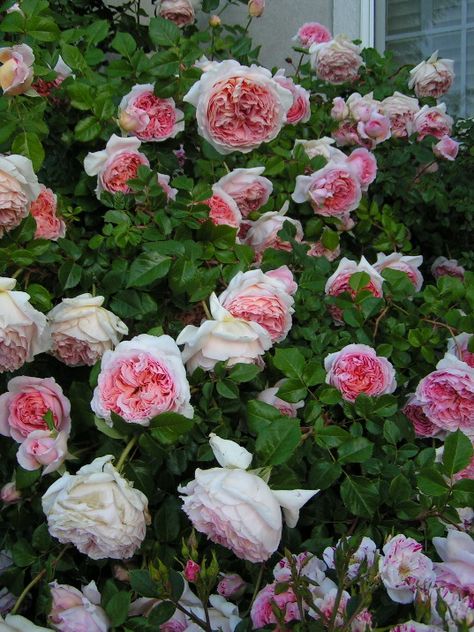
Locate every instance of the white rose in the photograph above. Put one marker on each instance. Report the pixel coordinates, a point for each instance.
(16, 623)
(82, 330)
(23, 332)
(98, 511)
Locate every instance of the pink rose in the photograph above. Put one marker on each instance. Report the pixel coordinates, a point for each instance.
(318, 249)
(247, 187)
(16, 72)
(361, 108)
(142, 378)
(238, 108)
(76, 611)
(269, 396)
(284, 275)
(324, 598)
(404, 569)
(164, 182)
(181, 12)
(376, 129)
(457, 568)
(153, 119)
(191, 571)
(262, 611)
(223, 209)
(9, 494)
(43, 448)
(336, 61)
(24, 332)
(23, 407)
(300, 111)
(332, 191)
(413, 626)
(446, 148)
(312, 33)
(254, 296)
(115, 165)
(467, 472)
(459, 347)
(403, 263)
(347, 135)
(432, 78)
(422, 426)
(18, 188)
(365, 165)
(447, 395)
(366, 554)
(357, 369)
(339, 110)
(263, 233)
(43, 209)
(231, 586)
(256, 8)
(401, 111)
(447, 267)
(433, 121)
(306, 565)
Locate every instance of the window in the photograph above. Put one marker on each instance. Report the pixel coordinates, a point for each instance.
(416, 28)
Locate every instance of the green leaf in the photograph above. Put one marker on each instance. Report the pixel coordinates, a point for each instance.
(161, 613)
(28, 144)
(164, 64)
(87, 129)
(290, 361)
(102, 426)
(292, 391)
(117, 608)
(431, 482)
(164, 32)
(360, 496)
(26, 478)
(166, 521)
(243, 372)
(168, 427)
(400, 489)
(142, 583)
(42, 28)
(69, 274)
(331, 436)
(277, 442)
(147, 268)
(97, 31)
(330, 395)
(227, 389)
(41, 539)
(457, 453)
(23, 553)
(330, 239)
(73, 57)
(355, 450)
(359, 280)
(323, 474)
(124, 44)
(260, 415)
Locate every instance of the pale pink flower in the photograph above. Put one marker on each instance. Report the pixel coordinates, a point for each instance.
(115, 165)
(16, 71)
(318, 249)
(456, 571)
(300, 111)
(376, 129)
(237, 107)
(307, 565)
(403, 263)
(401, 110)
(312, 33)
(223, 209)
(269, 396)
(155, 119)
(263, 233)
(336, 61)
(164, 182)
(365, 165)
(339, 110)
(18, 188)
(459, 348)
(404, 569)
(142, 378)
(413, 626)
(73, 610)
(361, 108)
(432, 78)
(17, 623)
(446, 148)
(447, 267)
(365, 554)
(43, 448)
(422, 426)
(43, 209)
(347, 135)
(231, 586)
(181, 12)
(455, 610)
(256, 8)
(467, 472)
(247, 187)
(9, 494)
(324, 598)
(284, 275)
(262, 613)
(433, 121)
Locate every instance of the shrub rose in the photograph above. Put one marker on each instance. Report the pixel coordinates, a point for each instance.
(375, 130)
(181, 12)
(357, 369)
(285, 601)
(365, 165)
(365, 554)
(403, 263)
(446, 148)
(82, 330)
(432, 78)
(300, 111)
(322, 147)
(401, 110)
(115, 165)
(73, 610)
(263, 233)
(223, 209)
(432, 121)
(43, 209)
(458, 346)
(149, 117)
(16, 71)
(237, 107)
(312, 33)
(18, 188)
(24, 332)
(97, 510)
(23, 407)
(337, 60)
(140, 379)
(231, 586)
(447, 267)
(318, 249)
(224, 339)
(164, 182)
(247, 187)
(270, 396)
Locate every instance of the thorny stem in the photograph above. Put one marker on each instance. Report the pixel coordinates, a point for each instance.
(126, 451)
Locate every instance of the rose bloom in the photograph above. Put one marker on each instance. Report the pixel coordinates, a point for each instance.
(73, 609)
(339, 110)
(447, 395)
(254, 296)
(263, 233)
(43, 209)
(97, 510)
(236, 508)
(164, 182)
(17, 623)
(269, 396)
(306, 565)
(300, 111)
(336, 61)
(23, 407)
(455, 610)
(237, 107)
(433, 121)
(284, 276)
(365, 554)
(223, 339)
(322, 147)
(82, 330)
(312, 33)
(43, 448)
(142, 378)
(332, 191)
(362, 108)
(324, 598)
(357, 369)
(181, 12)
(347, 135)
(231, 586)
(223, 209)
(24, 332)
(154, 119)
(115, 165)
(247, 187)
(446, 148)
(447, 267)
(401, 110)
(432, 78)
(318, 249)
(456, 571)
(9, 494)
(375, 130)
(404, 569)
(256, 8)
(262, 613)
(365, 165)
(459, 347)
(18, 188)
(422, 426)
(403, 263)
(16, 71)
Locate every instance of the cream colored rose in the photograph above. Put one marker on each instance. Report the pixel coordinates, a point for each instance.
(18, 188)
(98, 511)
(23, 329)
(82, 330)
(401, 111)
(432, 78)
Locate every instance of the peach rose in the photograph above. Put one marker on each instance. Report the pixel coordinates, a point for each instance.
(300, 111)
(433, 121)
(16, 72)
(270, 396)
(263, 233)
(140, 379)
(447, 267)
(446, 148)
(312, 33)
(18, 188)
(149, 117)
(43, 448)
(181, 12)
(115, 165)
(24, 332)
(223, 339)
(223, 209)
(336, 61)
(82, 330)
(458, 346)
(401, 110)
(432, 78)
(247, 187)
(408, 264)
(257, 297)
(237, 107)
(43, 209)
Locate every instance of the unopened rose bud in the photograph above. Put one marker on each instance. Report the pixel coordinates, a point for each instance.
(215, 21)
(121, 573)
(9, 494)
(231, 586)
(191, 571)
(256, 8)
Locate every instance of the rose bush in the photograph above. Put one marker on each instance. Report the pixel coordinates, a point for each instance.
(203, 260)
